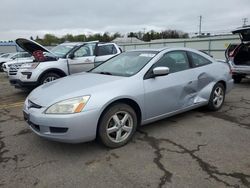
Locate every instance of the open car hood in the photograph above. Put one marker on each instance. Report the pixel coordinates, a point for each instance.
(31, 46)
(244, 33)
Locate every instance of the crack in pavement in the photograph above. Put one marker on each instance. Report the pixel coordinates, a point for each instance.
(246, 101)
(3, 150)
(229, 118)
(38, 164)
(6, 113)
(211, 170)
(22, 132)
(225, 114)
(155, 144)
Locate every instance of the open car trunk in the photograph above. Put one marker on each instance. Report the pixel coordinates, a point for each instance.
(242, 55)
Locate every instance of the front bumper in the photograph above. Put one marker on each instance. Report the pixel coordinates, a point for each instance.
(19, 84)
(69, 128)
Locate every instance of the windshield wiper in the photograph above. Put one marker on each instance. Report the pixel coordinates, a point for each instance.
(106, 73)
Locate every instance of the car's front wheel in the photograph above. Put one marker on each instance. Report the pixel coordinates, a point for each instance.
(49, 77)
(217, 97)
(117, 125)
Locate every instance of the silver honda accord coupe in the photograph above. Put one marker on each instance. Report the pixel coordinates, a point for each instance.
(132, 89)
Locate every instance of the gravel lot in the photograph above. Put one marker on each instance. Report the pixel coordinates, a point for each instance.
(194, 149)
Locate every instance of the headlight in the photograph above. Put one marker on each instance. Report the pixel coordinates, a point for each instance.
(29, 66)
(70, 106)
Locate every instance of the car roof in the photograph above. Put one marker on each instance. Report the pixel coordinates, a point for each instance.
(163, 49)
(148, 50)
(240, 29)
(72, 43)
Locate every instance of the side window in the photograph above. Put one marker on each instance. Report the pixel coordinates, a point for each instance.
(176, 61)
(106, 50)
(84, 51)
(198, 60)
(22, 55)
(15, 56)
(27, 55)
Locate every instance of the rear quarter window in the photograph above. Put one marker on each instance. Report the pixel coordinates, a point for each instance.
(106, 50)
(198, 60)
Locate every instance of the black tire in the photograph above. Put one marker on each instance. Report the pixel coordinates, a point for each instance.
(212, 103)
(47, 77)
(107, 119)
(237, 79)
(1, 68)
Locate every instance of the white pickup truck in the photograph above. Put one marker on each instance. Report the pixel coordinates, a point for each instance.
(62, 60)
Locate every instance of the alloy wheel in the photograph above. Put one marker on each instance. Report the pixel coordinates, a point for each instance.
(49, 79)
(218, 97)
(119, 126)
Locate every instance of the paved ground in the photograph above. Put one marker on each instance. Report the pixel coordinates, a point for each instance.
(194, 149)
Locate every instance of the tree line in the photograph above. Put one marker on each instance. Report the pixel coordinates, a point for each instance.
(50, 39)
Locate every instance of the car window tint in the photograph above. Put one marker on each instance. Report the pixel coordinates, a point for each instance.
(198, 60)
(27, 55)
(175, 61)
(106, 50)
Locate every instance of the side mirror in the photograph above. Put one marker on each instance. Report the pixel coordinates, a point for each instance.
(71, 56)
(160, 71)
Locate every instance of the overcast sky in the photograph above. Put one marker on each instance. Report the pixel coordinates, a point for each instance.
(25, 18)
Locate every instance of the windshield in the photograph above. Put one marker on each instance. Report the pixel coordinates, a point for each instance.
(126, 64)
(62, 50)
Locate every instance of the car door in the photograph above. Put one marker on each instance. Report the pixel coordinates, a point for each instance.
(82, 59)
(105, 52)
(172, 92)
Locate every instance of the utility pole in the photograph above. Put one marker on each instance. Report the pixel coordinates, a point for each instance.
(200, 25)
(245, 20)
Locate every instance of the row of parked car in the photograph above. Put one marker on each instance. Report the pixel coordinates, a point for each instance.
(69, 58)
(7, 59)
(116, 92)
(42, 65)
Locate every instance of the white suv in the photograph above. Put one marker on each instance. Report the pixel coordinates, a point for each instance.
(63, 60)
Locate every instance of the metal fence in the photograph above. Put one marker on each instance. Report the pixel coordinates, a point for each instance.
(215, 46)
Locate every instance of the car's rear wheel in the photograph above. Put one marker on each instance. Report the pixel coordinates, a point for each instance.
(49, 77)
(217, 97)
(117, 125)
(237, 79)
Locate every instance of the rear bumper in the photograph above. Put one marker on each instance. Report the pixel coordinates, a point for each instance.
(241, 70)
(19, 84)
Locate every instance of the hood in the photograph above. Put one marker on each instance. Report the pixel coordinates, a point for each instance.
(3, 59)
(70, 87)
(19, 61)
(31, 46)
(244, 33)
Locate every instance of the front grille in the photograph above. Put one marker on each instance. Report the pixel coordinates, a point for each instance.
(14, 68)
